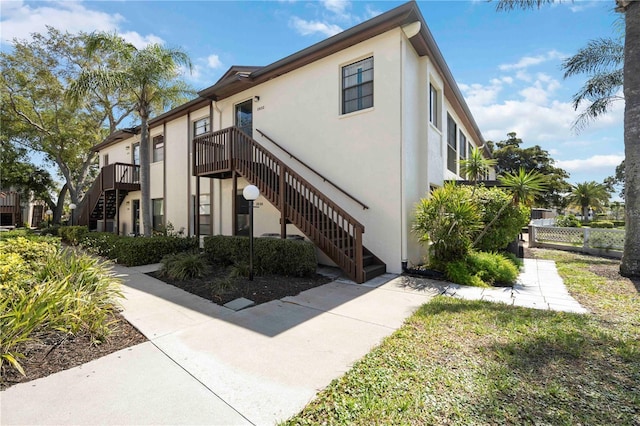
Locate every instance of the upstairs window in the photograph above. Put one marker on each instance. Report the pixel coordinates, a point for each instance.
(434, 112)
(135, 156)
(202, 126)
(452, 156)
(158, 148)
(357, 86)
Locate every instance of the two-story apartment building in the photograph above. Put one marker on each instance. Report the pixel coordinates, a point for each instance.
(342, 138)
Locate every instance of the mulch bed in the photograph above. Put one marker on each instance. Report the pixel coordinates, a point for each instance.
(55, 351)
(261, 290)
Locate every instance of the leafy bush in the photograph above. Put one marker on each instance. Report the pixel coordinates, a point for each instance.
(44, 288)
(511, 218)
(73, 234)
(271, 256)
(184, 266)
(482, 269)
(568, 221)
(50, 230)
(100, 243)
(33, 251)
(618, 223)
(134, 251)
(601, 224)
(15, 233)
(448, 220)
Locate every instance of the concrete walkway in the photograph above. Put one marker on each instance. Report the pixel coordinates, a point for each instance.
(206, 364)
(539, 286)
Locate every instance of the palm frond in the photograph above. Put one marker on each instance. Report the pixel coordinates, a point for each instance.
(598, 56)
(508, 5)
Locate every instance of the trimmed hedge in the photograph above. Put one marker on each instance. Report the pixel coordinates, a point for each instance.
(135, 251)
(73, 234)
(601, 224)
(618, 223)
(271, 256)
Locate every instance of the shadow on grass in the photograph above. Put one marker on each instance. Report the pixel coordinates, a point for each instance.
(548, 367)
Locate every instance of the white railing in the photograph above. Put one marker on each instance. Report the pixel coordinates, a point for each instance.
(599, 241)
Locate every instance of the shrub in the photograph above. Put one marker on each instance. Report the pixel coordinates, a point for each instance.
(568, 221)
(64, 291)
(618, 223)
(601, 224)
(482, 269)
(15, 233)
(511, 218)
(448, 221)
(134, 251)
(184, 266)
(33, 251)
(73, 234)
(271, 256)
(50, 230)
(100, 243)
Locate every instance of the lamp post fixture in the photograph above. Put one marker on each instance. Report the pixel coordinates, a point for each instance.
(72, 206)
(251, 193)
(49, 219)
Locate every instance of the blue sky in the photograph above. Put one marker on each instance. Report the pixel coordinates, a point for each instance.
(506, 64)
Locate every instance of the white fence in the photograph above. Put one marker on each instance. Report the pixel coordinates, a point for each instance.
(603, 242)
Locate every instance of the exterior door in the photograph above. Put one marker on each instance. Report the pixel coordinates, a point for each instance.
(135, 212)
(244, 117)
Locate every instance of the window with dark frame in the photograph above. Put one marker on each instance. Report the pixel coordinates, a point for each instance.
(433, 106)
(357, 86)
(204, 210)
(202, 126)
(105, 160)
(136, 154)
(452, 156)
(157, 211)
(158, 148)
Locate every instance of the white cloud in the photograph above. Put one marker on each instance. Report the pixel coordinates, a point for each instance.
(529, 61)
(591, 163)
(140, 41)
(20, 20)
(214, 61)
(305, 27)
(370, 12)
(338, 7)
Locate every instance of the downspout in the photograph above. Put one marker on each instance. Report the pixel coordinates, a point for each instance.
(403, 230)
(218, 184)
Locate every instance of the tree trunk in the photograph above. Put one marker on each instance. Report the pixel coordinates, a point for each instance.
(630, 265)
(145, 184)
(57, 211)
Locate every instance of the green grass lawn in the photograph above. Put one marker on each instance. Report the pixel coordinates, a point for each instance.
(465, 362)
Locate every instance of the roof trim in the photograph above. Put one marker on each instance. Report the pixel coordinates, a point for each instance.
(423, 43)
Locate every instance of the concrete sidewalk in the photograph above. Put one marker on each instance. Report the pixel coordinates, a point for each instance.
(206, 364)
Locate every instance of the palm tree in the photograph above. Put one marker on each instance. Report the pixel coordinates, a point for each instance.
(602, 60)
(588, 195)
(630, 265)
(149, 75)
(476, 166)
(524, 187)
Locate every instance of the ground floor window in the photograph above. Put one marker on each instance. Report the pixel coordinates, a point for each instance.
(204, 211)
(242, 215)
(157, 211)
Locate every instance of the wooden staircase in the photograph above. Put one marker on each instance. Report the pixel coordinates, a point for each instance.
(333, 230)
(103, 200)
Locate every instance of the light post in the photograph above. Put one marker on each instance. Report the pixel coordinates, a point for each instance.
(72, 206)
(251, 193)
(49, 213)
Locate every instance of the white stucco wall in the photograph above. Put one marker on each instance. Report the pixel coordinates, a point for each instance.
(386, 156)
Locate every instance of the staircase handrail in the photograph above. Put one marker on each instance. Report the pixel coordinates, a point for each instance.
(324, 178)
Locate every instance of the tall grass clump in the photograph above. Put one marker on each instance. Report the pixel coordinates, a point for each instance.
(53, 290)
(184, 266)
